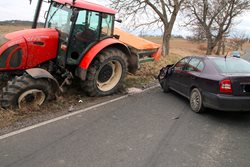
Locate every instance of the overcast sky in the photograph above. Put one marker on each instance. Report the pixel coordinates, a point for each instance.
(22, 10)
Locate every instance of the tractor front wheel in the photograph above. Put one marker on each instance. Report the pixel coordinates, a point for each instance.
(25, 91)
(106, 73)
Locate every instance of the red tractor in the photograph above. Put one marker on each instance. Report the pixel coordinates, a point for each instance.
(77, 41)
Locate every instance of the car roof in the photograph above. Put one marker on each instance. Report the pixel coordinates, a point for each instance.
(202, 57)
(87, 5)
(209, 57)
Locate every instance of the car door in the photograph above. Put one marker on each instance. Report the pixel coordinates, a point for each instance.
(175, 81)
(191, 74)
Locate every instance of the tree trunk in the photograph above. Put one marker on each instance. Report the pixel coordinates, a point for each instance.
(165, 43)
(209, 47)
(219, 47)
(211, 43)
(223, 47)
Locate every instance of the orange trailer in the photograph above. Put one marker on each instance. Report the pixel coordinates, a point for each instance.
(144, 49)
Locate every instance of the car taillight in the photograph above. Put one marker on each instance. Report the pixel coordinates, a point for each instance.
(226, 86)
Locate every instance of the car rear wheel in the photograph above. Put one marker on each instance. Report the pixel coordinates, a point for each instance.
(196, 101)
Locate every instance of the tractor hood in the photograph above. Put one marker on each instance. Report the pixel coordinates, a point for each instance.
(27, 48)
(32, 34)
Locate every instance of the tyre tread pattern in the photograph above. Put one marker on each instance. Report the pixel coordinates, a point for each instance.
(89, 86)
(18, 85)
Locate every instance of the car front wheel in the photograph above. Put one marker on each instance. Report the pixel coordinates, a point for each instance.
(196, 101)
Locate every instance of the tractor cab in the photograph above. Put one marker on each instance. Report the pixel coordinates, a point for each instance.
(79, 28)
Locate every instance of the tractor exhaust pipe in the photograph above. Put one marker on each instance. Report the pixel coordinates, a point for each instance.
(38, 9)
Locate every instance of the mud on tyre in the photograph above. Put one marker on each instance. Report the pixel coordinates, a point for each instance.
(106, 73)
(24, 91)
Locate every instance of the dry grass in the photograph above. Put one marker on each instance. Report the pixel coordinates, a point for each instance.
(148, 72)
(11, 28)
(247, 46)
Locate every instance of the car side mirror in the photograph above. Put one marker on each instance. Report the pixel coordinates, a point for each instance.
(171, 70)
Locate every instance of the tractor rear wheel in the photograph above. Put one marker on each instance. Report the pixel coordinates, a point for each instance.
(25, 91)
(106, 73)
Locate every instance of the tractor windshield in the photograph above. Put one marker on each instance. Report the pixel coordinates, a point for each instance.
(59, 17)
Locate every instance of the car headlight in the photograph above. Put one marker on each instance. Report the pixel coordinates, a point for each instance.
(3, 40)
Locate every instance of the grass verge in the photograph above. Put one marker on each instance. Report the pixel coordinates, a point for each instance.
(147, 73)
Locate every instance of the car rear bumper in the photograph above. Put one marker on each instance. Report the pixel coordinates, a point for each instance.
(226, 102)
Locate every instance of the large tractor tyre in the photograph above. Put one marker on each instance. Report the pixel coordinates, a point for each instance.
(106, 73)
(25, 91)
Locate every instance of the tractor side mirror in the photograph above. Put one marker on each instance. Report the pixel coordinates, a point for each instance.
(74, 15)
(119, 21)
(45, 14)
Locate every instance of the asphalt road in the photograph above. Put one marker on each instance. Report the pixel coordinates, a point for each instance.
(150, 129)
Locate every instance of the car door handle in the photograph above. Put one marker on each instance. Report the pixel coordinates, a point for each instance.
(193, 78)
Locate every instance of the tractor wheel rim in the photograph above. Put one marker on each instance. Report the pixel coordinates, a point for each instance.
(195, 101)
(33, 97)
(112, 77)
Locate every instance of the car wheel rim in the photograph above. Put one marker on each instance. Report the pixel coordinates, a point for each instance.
(109, 76)
(33, 97)
(195, 101)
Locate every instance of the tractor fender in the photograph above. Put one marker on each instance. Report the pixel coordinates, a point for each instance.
(38, 73)
(81, 71)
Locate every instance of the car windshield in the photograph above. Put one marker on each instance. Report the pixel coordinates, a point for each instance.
(232, 65)
(236, 52)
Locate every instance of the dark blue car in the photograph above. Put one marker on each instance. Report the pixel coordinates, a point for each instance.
(210, 82)
(235, 54)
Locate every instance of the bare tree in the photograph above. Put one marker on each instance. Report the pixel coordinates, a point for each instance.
(215, 17)
(148, 14)
(239, 38)
(199, 33)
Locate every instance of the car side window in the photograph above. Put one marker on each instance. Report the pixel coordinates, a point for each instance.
(192, 65)
(181, 64)
(201, 66)
(195, 65)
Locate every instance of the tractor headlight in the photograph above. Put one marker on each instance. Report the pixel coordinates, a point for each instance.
(3, 40)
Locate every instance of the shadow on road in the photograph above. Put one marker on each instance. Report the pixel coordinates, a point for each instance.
(232, 118)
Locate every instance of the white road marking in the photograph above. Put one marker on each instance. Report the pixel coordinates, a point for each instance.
(69, 115)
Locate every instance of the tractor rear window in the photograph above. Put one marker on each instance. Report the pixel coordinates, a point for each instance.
(107, 25)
